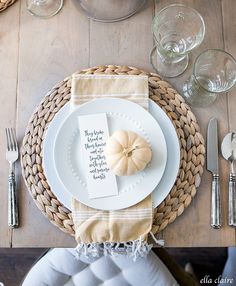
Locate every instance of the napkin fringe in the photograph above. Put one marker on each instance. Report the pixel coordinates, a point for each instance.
(160, 242)
(133, 249)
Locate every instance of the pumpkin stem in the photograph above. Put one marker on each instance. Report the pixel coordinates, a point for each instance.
(128, 151)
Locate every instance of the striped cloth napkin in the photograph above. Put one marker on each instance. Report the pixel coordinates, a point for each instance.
(88, 87)
(109, 232)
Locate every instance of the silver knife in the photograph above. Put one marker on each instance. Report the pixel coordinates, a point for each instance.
(212, 166)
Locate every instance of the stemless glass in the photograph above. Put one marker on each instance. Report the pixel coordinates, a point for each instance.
(110, 10)
(44, 8)
(214, 72)
(177, 29)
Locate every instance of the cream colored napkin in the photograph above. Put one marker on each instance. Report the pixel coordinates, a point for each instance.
(88, 87)
(124, 230)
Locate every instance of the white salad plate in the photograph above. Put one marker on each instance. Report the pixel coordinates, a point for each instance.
(160, 191)
(121, 114)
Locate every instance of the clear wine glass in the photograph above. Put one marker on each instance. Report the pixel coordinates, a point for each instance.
(44, 8)
(214, 72)
(177, 30)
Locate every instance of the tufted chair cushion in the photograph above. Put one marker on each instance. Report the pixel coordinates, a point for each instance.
(59, 267)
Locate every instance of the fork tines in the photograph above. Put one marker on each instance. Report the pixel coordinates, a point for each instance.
(11, 139)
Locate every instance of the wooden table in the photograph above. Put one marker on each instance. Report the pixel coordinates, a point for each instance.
(35, 54)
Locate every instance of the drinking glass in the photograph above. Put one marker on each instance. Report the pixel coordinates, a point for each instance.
(44, 8)
(177, 29)
(110, 10)
(214, 72)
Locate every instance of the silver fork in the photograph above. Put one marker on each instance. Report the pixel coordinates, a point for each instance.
(12, 155)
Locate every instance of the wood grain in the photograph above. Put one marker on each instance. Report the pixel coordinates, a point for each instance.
(229, 25)
(8, 82)
(49, 50)
(15, 264)
(124, 43)
(193, 227)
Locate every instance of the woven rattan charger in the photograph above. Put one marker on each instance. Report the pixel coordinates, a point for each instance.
(4, 4)
(190, 138)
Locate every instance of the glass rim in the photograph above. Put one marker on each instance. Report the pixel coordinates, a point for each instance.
(185, 6)
(118, 19)
(44, 16)
(194, 69)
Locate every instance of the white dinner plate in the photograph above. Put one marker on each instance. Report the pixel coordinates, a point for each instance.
(167, 180)
(121, 114)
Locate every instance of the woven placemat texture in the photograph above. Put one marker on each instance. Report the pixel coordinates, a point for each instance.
(4, 4)
(190, 138)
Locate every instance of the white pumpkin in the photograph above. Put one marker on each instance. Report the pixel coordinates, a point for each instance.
(127, 153)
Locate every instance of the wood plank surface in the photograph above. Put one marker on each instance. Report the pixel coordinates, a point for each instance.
(193, 227)
(123, 43)
(41, 66)
(51, 49)
(9, 32)
(15, 264)
(229, 25)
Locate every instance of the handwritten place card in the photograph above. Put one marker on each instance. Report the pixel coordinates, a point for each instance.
(94, 133)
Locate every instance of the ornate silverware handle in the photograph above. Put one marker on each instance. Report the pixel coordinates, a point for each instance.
(215, 202)
(232, 200)
(13, 219)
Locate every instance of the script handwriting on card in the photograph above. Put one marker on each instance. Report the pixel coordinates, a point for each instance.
(95, 146)
(94, 133)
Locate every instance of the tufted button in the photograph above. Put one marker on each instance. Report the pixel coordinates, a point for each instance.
(59, 267)
(104, 268)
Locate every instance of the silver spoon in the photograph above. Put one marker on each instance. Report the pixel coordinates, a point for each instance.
(228, 149)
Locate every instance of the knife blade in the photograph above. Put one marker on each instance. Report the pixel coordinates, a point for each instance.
(212, 147)
(213, 167)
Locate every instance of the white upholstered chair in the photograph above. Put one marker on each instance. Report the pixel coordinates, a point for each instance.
(60, 267)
